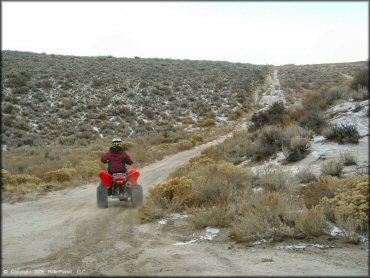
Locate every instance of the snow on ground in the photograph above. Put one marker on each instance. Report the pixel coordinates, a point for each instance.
(353, 113)
(209, 235)
(321, 150)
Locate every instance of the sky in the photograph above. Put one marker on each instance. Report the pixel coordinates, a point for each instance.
(274, 33)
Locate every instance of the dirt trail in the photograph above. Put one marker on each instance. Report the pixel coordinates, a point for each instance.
(270, 93)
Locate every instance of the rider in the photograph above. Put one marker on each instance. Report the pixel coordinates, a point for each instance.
(116, 157)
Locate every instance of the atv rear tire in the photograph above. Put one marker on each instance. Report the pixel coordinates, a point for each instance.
(102, 196)
(137, 195)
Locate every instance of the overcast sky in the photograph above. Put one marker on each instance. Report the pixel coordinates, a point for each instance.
(247, 32)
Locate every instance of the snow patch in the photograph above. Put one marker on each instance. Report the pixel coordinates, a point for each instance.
(163, 222)
(318, 138)
(257, 189)
(191, 242)
(335, 231)
(209, 235)
(178, 216)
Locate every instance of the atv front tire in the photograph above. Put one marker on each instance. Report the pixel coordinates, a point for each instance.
(102, 196)
(137, 195)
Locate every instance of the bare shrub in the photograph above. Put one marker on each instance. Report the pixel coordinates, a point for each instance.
(361, 79)
(306, 176)
(362, 93)
(332, 168)
(298, 148)
(312, 119)
(343, 133)
(273, 115)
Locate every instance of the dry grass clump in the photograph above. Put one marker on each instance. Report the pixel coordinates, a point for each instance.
(23, 178)
(274, 216)
(193, 164)
(172, 195)
(218, 182)
(9, 179)
(184, 145)
(61, 175)
(332, 168)
(161, 150)
(20, 183)
(220, 215)
(88, 169)
(178, 191)
(206, 122)
(306, 176)
(188, 121)
(232, 150)
(275, 180)
(311, 222)
(197, 138)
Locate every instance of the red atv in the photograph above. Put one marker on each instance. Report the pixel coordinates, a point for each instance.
(123, 186)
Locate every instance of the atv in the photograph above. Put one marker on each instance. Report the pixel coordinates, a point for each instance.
(122, 186)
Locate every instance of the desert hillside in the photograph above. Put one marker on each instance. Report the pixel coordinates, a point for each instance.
(77, 100)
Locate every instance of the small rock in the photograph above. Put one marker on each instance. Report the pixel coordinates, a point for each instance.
(265, 260)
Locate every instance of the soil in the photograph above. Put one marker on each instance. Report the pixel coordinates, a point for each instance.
(64, 233)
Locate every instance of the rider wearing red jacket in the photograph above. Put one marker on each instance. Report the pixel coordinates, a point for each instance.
(116, 158)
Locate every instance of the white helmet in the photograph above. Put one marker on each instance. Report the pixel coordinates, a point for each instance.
(117, 142)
